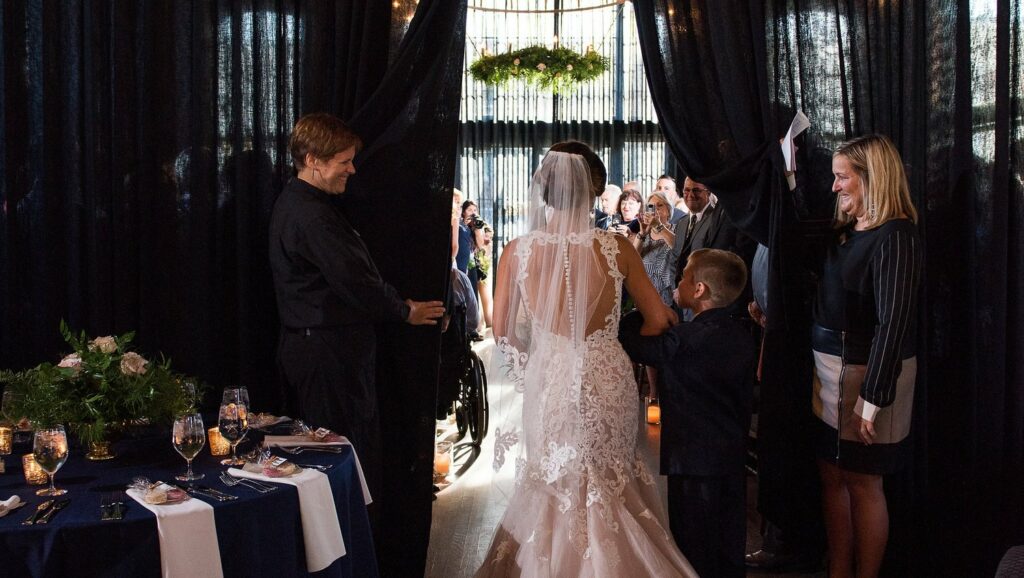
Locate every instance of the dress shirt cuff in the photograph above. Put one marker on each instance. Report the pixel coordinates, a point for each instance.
(405, 311)
(865, 409)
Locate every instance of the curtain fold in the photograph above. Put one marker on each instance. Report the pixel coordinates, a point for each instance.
(400, 200)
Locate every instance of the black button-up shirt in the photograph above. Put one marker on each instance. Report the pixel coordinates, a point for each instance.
(323, 274)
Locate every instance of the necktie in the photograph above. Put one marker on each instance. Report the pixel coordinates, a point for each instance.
(690, 225)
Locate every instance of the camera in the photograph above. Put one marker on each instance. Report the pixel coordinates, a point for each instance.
(477, 223)
(650, 208)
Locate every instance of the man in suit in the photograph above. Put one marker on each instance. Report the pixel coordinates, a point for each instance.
(667, 185)
(707, 368)
(706, 227)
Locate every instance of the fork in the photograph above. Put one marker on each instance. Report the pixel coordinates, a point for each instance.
(232, 481)
(296, 450)
(316, 466)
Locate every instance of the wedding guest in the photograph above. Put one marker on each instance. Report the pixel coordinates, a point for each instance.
(627, 212)
(707, 368)
(667, 186)
(606, 206)
(864, 341)
(329, 293)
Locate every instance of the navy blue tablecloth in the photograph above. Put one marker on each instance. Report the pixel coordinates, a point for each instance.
(258, 534)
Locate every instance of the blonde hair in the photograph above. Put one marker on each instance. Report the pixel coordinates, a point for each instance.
(722, 272)
(878, 164)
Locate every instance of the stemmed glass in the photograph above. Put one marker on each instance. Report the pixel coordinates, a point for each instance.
(188, 436)
(50, 449)
(233, 421)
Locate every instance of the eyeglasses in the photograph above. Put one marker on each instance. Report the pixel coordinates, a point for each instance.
(694, 191)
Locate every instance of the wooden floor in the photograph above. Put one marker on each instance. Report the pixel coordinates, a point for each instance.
(469, 509)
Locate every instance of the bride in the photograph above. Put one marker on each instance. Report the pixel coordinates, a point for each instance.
(584, 503)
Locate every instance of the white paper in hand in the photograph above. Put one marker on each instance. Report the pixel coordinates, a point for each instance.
(799, 125)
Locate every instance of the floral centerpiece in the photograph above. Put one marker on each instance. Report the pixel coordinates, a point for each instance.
(559, 69)
(100, 386)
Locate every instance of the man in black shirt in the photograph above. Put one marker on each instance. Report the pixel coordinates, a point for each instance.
(330, 294)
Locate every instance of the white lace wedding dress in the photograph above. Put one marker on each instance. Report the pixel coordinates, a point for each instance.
(584, 503)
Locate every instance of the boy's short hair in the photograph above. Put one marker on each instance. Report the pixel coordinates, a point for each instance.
(722, 272)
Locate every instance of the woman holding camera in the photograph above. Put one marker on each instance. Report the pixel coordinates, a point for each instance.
(654, 243)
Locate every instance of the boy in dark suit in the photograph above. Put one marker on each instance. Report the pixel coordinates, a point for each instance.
(708, 366)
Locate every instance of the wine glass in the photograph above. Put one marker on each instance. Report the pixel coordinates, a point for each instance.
(233, 421)
(50, 449)
(188, 436)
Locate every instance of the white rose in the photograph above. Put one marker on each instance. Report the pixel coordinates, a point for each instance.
(541, 66)
(568, 67)
(516, 62)
(133, 364)
(104, 344)
(73, 361)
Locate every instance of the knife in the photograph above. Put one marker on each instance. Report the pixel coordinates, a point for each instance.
(39, 512)
(198, 492)
(217, 492)
(52, 511)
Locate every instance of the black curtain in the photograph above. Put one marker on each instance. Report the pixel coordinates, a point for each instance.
(142, 145)
(943, 79)
(400, 201)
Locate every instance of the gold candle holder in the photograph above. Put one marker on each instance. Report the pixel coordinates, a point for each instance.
(34, 474)
(6, 440)
(218, 445)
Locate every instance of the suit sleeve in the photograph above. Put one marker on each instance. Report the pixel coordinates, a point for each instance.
(896, 267)
(349, 270)
(649, 350)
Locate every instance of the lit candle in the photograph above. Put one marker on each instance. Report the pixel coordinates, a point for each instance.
(6, 440)
(442, 463)
(653, 413)
(442, 458)
(218, 445)
(34, 474)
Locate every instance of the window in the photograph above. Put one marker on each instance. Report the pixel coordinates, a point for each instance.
(505, 130)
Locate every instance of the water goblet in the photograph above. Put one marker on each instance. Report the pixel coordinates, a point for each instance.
(50, 449)
(233, 421)
(188, 435)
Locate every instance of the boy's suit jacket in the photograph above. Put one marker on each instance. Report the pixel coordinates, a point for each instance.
(706, 368)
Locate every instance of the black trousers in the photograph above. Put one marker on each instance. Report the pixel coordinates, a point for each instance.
(329, 378)
(707, 515)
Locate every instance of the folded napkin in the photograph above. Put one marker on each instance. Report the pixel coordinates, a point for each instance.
(188, 538)
(292, 441)
(321, 530)
(8, 505)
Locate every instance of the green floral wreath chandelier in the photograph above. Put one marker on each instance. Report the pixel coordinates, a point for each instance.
(559, 69)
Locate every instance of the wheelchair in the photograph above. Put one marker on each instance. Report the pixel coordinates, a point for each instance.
(462, 381)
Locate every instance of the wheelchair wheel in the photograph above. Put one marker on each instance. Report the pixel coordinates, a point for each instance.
(472, 410)
(478, 406)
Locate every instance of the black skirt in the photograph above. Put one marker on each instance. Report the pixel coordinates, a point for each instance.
(876, 459)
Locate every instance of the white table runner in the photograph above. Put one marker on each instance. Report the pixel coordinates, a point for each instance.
(188, 538)
(321, 530)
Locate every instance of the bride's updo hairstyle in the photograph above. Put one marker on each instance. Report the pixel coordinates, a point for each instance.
(598, 174)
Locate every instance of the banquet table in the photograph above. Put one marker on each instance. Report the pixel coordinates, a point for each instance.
(258, 534)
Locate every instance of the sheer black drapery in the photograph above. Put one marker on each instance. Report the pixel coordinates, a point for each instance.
(142, 146)
(400, 200)
(943, 79)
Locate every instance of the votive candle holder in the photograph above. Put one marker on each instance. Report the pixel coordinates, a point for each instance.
(218, 445)
(34, 474)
